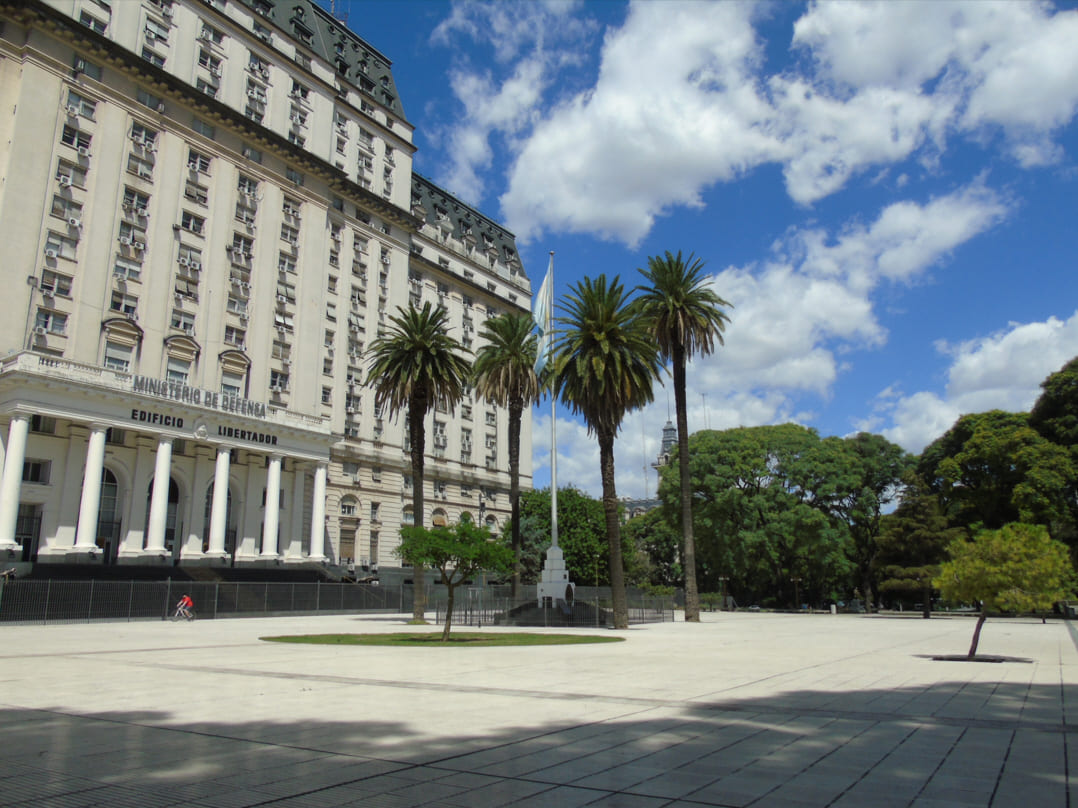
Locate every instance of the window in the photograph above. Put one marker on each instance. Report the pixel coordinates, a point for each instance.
(197, 161)
(348, 506)
(135, 202)
(155, 31)
(192, 223)
(211, 35)
(235, 336)
(143, 134)
(198, 194)
(327, 366)
(153, 57)
(287, 291)
(177, 370)
(327, 395)
(293, 176)
(36, 471)
(118, 357)
(150, 100)
(251, 153)
(282, 319)
(209, 88)
(247, 185)
(296, 139)
(374, 512)
(54, 322)
(207, 60)
(142, 166)
(289, 233)
(55, 283)
(281, 350)
(93, 23)
(130, 269)
(299, 91)
(189, 257)
(66, 208)
(43, 424)
(132, 235)
(331, 312)
(81, 105)
(232, 383)
(125, 304)
(286, 263)
(60, 246)
(183, 320)
(118, 437)
(70, 174)
(278, 380)
(242, 247)
(76, 138)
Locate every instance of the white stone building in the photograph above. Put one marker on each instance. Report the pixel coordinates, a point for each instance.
(208, 213)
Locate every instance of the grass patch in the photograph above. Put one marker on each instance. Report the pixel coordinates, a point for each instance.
(457, 639)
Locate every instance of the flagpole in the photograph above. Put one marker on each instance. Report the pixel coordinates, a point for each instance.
(553, 439)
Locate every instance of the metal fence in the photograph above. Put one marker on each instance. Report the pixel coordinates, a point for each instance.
(25, 601)
(592, 607)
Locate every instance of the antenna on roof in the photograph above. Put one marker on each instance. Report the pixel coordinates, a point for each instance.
(338, 9)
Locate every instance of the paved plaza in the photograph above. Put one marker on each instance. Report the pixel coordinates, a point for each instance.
(745, 709)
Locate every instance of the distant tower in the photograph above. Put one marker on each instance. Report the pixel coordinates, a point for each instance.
(668, 444)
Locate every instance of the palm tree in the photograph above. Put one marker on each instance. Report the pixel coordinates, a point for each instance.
(504, 373)
(414, 367)
(685, 318)
(605, 364)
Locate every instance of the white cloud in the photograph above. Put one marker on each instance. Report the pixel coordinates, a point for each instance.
(1001, 371)
(682, 102)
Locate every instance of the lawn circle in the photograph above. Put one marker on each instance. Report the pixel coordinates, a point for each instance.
(457, 639)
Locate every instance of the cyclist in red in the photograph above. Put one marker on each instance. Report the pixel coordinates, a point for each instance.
(183, 608)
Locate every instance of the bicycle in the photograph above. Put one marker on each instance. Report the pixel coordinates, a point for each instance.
(181, 614)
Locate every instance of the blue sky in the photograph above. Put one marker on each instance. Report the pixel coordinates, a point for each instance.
(885, 192)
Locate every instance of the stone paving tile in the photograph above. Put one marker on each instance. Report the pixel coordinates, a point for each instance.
(559, 796)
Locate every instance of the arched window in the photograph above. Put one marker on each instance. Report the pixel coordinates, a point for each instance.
(349, 506)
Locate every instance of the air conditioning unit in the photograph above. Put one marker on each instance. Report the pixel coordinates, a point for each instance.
(245, 317)
(138, 245)
(119, 277)
(179, 299)
(50, 253)
(276, 388)
(282, 330)
(65, 181)
(205, 35)
(84, 151)
(48, 293)
(282, 299)
(329, 352)
(145, 174)
(286, 362)
(351, 410)
(184, 261)
(74, 222)
(161, 107)
(133, 315)
(72, 110)
(40, 331)
(189, 330)
(166, 12)
(196, 266)
(145, 214)
(151, 36)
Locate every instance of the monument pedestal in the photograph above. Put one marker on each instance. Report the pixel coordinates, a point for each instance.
(554, 584)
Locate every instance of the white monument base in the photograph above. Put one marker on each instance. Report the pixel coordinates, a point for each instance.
(554, 582)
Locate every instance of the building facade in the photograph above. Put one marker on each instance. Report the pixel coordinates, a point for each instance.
(209, 213)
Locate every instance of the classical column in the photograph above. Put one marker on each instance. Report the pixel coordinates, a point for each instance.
(272, 515)
(294, 551)
(90, 504)
(318, 514)
(162, 476)
(11, 482)
(195, 541)
(219, 509)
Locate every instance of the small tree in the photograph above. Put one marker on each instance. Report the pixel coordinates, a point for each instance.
(1016, 568)
(457, 552)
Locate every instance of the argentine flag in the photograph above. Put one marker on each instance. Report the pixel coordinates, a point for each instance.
(543, 314)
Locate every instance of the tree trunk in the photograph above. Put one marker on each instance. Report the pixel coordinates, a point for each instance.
(516, 408)
(926, 604)
(613, 530)
(448, 613)
(417, 411)
(977, 631)
(692, 597)
(867, 589)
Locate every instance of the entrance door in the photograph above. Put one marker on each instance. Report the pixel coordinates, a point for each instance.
(108, 518)
(28, 530)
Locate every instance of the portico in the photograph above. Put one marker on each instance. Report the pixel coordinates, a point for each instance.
(152, 478)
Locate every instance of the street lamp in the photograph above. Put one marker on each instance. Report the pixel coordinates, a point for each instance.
(722, 592)
(797, 594)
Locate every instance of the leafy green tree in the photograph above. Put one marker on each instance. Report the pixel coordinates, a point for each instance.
(686, 318)
(913, 543)
(1016, 568)
(656, 544)
(581, 535)
(457, 552)
(992, 468)
(1055, 415)
(505, 374)
(414, 367)
(605, 363)
(855, 479)
(762, 514)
